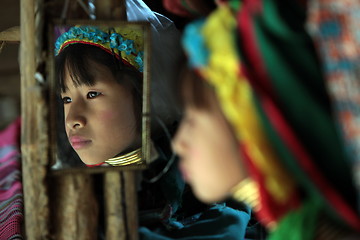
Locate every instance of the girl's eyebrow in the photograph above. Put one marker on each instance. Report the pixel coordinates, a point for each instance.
(64, 90)
(79, 84)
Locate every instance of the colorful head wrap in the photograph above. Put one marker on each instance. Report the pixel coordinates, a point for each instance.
(125, 42)
(216, 57)
(188, 8)
(266, 76)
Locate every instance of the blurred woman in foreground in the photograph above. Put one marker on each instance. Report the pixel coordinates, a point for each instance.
(258, 124)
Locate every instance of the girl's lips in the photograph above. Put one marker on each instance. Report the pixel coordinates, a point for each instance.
(78, 142)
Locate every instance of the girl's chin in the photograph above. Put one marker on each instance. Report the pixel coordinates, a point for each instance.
(89, 162)
(95, 165)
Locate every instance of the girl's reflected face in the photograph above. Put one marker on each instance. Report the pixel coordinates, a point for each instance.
(99, 120)
(210, 159)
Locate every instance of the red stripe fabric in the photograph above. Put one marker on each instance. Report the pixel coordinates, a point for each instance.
(11, 196)
(256, 67)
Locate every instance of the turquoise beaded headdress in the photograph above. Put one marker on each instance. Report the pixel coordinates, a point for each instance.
(126, 43)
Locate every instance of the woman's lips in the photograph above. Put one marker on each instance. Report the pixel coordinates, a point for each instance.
(184, 173)
(78, 142)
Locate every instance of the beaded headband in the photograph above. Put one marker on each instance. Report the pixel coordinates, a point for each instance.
(126, 43)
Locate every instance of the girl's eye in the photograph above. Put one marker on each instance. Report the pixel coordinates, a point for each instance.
(91, 95)
(66, 100)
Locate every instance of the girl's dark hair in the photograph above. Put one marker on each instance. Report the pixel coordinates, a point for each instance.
(195, 91)
(77, 59)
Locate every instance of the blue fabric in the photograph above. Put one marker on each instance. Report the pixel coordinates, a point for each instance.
(218, 222)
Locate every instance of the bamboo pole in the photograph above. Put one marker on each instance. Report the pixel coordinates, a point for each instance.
(10, 35)
(34, 140)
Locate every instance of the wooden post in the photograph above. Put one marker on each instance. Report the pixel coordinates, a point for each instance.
(34, 130)
(131, 204)
(121, 205)
(114, 211)
(74, 207)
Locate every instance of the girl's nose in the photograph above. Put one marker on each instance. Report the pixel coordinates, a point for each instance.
(75, 117)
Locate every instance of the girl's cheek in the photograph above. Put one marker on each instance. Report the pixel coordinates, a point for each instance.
(106, 115)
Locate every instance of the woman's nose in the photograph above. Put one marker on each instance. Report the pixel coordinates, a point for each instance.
(179, 141)
(75, 117)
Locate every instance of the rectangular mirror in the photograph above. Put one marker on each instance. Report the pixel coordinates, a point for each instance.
(100, 98)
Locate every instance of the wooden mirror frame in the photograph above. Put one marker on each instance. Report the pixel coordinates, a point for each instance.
(145, 118)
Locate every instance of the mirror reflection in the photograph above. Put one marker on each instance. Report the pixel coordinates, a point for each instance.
(99, 75)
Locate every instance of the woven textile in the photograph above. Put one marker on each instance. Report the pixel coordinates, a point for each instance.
(334, 26)
(11, 196)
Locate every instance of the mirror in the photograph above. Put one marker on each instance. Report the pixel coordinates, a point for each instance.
(100, 95)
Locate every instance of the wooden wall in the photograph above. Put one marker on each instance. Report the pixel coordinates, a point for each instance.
(9, 65)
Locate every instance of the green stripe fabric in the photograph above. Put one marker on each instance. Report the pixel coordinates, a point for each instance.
(298, 85)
